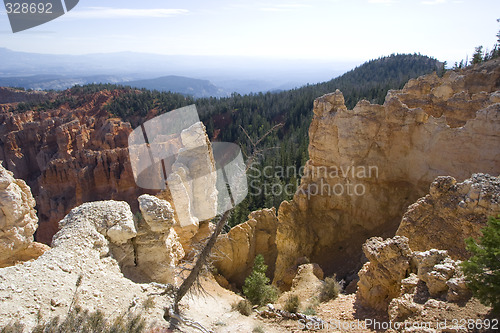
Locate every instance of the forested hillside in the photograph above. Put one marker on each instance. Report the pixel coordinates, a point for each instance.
(225, 118)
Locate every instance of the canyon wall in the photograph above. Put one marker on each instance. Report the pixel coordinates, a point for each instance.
(69, 155)
(235, 251)
(367, 165)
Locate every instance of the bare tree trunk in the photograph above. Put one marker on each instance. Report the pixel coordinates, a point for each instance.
(202, 260)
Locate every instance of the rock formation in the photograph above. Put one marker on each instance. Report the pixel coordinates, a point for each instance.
(368, 164)
(451, 213)
(192, 183)
(401, 281)
(380, 278)
(235, 251)
(68, 155)
(157, 249)
(306, 284)
(18, 221)
(94, 244)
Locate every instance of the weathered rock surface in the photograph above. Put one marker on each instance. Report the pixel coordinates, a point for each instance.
(380, 278)
(400, 280)
(235, 251)
(451, 213)
(306, 284)
(69, 155)
(368, 164)
(156, 248)
(93, 243)
(18, 221)
(192, 183)
(290, 274)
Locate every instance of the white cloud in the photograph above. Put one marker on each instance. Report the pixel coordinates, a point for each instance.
(433, 2)
(120, 13)
(284, 7)
(385, 2)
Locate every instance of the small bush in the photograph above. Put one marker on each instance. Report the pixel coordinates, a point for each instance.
(309, 311)
(79, 320)
(257, 288)
(482, 270)
(258, 329)
(149, 303)
(244, 307)
(329, 290)
(13, 328)
(292, 304)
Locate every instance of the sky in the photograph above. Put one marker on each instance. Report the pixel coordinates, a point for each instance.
(334, 30)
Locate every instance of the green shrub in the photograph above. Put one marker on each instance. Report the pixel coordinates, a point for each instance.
(292, 303)
(329, 290)
(244, 307)
(257, 288)
(482, 270)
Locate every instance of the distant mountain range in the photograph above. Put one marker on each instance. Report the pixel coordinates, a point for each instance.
(173, 83)
(198, 76)
(57, 82)
(181, 84)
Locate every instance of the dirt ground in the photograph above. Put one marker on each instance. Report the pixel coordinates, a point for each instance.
(213, 311)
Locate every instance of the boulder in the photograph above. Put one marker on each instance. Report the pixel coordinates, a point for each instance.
(399, 280)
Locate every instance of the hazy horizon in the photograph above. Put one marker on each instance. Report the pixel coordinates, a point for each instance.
(314, 30)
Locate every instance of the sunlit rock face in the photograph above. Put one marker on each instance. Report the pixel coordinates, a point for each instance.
(367, 165)
(18, 221)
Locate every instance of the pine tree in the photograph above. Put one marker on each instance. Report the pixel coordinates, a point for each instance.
(482, 270)
(477, 58)
(257, 288)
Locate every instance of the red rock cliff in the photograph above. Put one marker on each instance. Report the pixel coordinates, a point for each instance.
(69, 155)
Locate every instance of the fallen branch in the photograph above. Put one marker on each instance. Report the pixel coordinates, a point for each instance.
(272, 312)
(187, 322)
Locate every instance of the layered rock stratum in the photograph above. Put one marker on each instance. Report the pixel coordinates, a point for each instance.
(367, 165)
